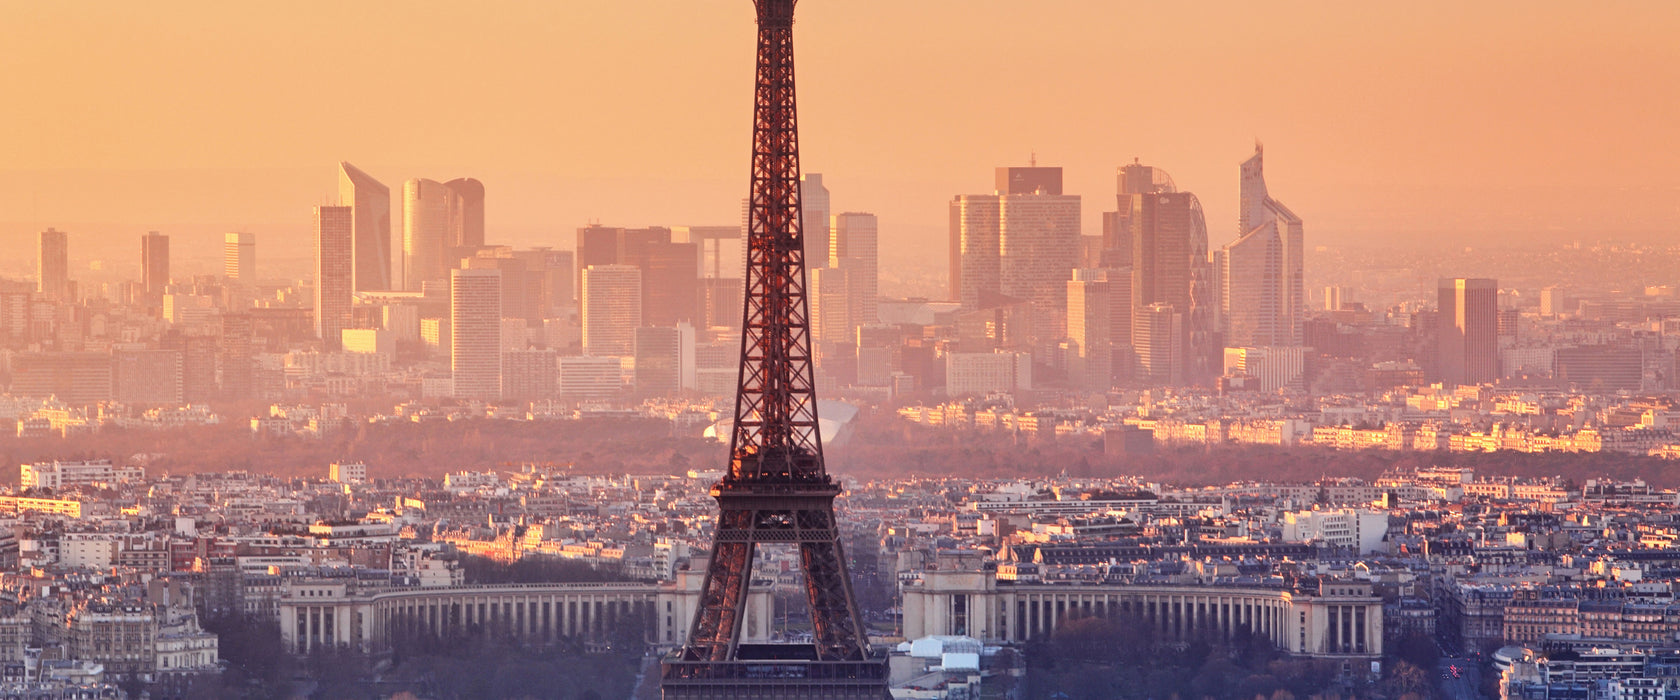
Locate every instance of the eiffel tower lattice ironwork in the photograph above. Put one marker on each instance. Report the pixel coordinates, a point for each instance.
(776, 490)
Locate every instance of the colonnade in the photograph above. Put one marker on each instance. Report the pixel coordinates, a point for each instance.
(1343, 620)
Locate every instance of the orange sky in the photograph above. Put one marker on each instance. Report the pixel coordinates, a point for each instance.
(1535, 118)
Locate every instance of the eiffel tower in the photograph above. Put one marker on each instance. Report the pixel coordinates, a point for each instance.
(777, 490)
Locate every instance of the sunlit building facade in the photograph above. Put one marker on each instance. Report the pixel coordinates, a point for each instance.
(334, 273)
(475, 338)
(54, 265)
(239, 257)
(611, 309)
(371, 228)
(1261, 273)
(427, 210)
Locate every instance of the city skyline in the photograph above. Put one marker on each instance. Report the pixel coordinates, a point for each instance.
(1523, 88)
(582, 422)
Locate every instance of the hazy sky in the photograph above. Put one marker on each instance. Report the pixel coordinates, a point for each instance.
(1537, 118)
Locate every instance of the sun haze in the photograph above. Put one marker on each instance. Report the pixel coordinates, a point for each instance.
(1383, 119)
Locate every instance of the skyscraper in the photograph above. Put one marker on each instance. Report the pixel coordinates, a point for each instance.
(1158, 336)
(829, 294)
(974, 248)
(475, 338)
(1469, 331)
(154, 266)
(670, 282)
(548, 277)
(1038, 247)
(664, 359)
(1261, 274)
(1021, 242)
(238, 371)
(611, 309)
(815, 220)
(671, 290)
(428, 207)
(605, 245)
(239, 257)
(466, 227)
(370, 230)
(334, 273)
(530, 375)
(521, 285)
(54, 269)
(1028, 180)
(1099, 322)
(147, 377)
(1167, 233)
(853, 248)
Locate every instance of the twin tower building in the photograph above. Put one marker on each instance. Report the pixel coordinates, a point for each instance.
(1148, 303)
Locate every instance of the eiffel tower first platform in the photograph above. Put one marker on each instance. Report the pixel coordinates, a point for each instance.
(776, 490)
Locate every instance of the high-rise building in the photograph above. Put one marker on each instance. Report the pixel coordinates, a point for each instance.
(651, 250)
(1028, 180)
(371, 228)
(1099, 323)
(466, 228)
(335, 284)
(1158, 337)
(670, 283)
(475, 339)
(829, 293)
(722, 303)
(611, 307)
(1334, 297)
(236, 359)
(55, 265)
(1167, 235)
(1038, 247)
(1262, 292)
(664, 359)
(530, 375)
(1554, 302)
(854, 248)
(146, 377)
(548, 282)
(198, 350)
(980, 373)
(522, 287)
(814, 219)
(239, 257)
(974, 248)
(1022, 242)
(154, 266)
(1273, 368)
(428, 209)
(1468, 331)
(75, 378)
(1600, 368)
(584, 378)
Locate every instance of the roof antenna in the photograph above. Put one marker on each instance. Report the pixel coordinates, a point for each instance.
(1032, 160)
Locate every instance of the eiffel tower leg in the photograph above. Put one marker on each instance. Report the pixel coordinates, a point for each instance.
(838, 632)
(723, 596)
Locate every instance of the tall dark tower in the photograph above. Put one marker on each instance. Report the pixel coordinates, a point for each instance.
(776, 490)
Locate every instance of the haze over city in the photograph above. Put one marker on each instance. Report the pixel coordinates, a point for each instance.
(1496, 122)
(1068, 350)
